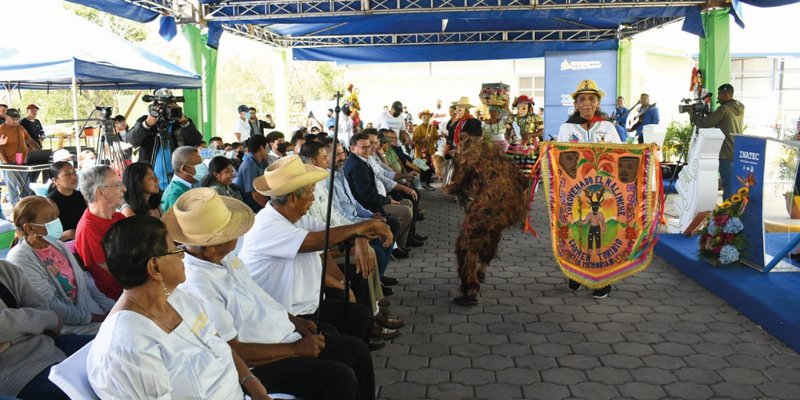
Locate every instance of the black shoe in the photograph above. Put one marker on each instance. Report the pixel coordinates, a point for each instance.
(376, 344)
(574, 286)
(389, 281)
(411, 242)
(387, 291)
(421, 238)
(602, 292)
(481, 277)
(466, 300)
(420, 217)
(399, 253)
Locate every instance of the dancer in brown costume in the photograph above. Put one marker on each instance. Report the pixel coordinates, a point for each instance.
(496, 189)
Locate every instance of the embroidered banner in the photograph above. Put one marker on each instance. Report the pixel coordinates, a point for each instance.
(605, 203)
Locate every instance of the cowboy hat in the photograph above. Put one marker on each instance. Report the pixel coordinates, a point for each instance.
(587, 86)
(201, 217)
(286, 176)
(425, 112)
(463, 102)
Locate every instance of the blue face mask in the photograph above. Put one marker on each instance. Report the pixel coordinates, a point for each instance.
(247, 115)
(54, 229)
(200, 170)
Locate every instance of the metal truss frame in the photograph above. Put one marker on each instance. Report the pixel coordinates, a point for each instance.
(235, 11)
(263, 34)
(184, 11)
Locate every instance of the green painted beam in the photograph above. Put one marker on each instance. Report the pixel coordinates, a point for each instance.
(715, 52)
(193, 106)
(624, 70)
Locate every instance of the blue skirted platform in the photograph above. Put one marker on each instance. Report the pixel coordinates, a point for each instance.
(771, 300)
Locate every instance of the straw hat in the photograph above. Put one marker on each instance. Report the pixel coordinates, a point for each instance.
(587, 86)
(286, 176)
(201, 217)
(425, 112)
(463, 102)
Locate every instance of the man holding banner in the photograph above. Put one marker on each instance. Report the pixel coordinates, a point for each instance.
(604, 197)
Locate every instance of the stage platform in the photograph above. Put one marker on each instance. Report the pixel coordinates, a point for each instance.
(771, 300)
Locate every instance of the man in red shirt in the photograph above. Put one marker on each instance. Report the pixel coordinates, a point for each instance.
(104, 193)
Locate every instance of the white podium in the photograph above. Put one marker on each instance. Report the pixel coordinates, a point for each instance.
(697, 183)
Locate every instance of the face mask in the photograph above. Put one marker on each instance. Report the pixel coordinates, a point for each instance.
(240, 154)
(247, 115)
(290, 153)
(54, 229)
(200, 170)
(230, 155)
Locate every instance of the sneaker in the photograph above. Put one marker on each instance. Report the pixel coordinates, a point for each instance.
(601, 293)
(574, 285)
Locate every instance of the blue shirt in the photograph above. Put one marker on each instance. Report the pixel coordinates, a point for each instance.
(249, 170)
(620, 115)
(650, 117)
(344, 200)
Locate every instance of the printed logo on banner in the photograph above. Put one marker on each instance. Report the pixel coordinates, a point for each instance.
(748, 162)
(580, 65)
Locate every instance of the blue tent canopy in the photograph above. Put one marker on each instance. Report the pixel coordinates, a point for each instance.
(354, 31)
(94, 56)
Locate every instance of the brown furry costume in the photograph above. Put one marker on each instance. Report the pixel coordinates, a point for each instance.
(497, 190)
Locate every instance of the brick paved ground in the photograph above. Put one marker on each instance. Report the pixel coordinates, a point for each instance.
(659, 334)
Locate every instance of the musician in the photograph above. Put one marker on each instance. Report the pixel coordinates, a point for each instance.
(729, 118)
(647, 116)
(619, 117)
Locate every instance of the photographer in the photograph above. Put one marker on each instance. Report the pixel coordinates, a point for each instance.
(164, 112)
(729, 118)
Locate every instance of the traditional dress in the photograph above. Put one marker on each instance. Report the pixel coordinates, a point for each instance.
(497, 193)
(523, 152)
(495, 135)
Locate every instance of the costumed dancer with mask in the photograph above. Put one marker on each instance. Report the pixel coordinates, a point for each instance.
(496, 192)
(588, 125)
(523, 131)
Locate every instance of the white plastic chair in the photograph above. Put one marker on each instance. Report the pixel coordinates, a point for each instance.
(70, 375)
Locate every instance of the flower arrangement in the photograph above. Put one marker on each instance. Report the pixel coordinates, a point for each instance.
(722, 240)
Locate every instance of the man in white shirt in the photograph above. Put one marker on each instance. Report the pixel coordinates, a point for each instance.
(392, 119)
(283, 248)
(345, 125)
(242, 130)
(286, 352)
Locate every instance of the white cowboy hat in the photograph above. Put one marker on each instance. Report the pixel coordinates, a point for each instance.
(286, 176)
(463, 102)
(202, 217)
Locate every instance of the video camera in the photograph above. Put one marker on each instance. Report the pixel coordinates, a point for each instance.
(164, 105)
(695, 106)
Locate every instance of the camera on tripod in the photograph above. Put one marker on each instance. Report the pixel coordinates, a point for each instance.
(164, 105)
(695, 106)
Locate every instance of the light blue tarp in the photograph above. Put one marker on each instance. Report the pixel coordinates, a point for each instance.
(96, 57)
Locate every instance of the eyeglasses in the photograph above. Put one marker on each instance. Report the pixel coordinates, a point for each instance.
(178, 250)
(114, 185)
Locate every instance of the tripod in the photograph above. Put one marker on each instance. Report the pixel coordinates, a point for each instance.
(109, 149)
(162, 145)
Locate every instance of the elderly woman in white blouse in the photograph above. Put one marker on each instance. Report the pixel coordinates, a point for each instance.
(157, 342)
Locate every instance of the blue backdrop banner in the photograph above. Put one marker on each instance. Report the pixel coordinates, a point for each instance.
(563, 71)
(748, 164)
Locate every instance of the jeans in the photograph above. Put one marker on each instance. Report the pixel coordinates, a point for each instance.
(382, 255)
(18, 186)
(40, 387)
(726, 175)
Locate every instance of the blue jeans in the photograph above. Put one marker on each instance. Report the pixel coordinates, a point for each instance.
(382, 255)
(40, 387)
(726, 175)
(18, 186)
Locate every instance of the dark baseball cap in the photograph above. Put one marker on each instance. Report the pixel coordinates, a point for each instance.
(12, 112)
(244, 108)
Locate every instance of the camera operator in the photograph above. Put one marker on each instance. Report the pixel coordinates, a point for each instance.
(729, 118)
(182, 130)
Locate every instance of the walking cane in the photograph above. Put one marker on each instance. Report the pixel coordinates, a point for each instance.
(326, 242)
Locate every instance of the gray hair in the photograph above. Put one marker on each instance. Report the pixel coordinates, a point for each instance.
(180, 156)
(92, 179)
(284, 198)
